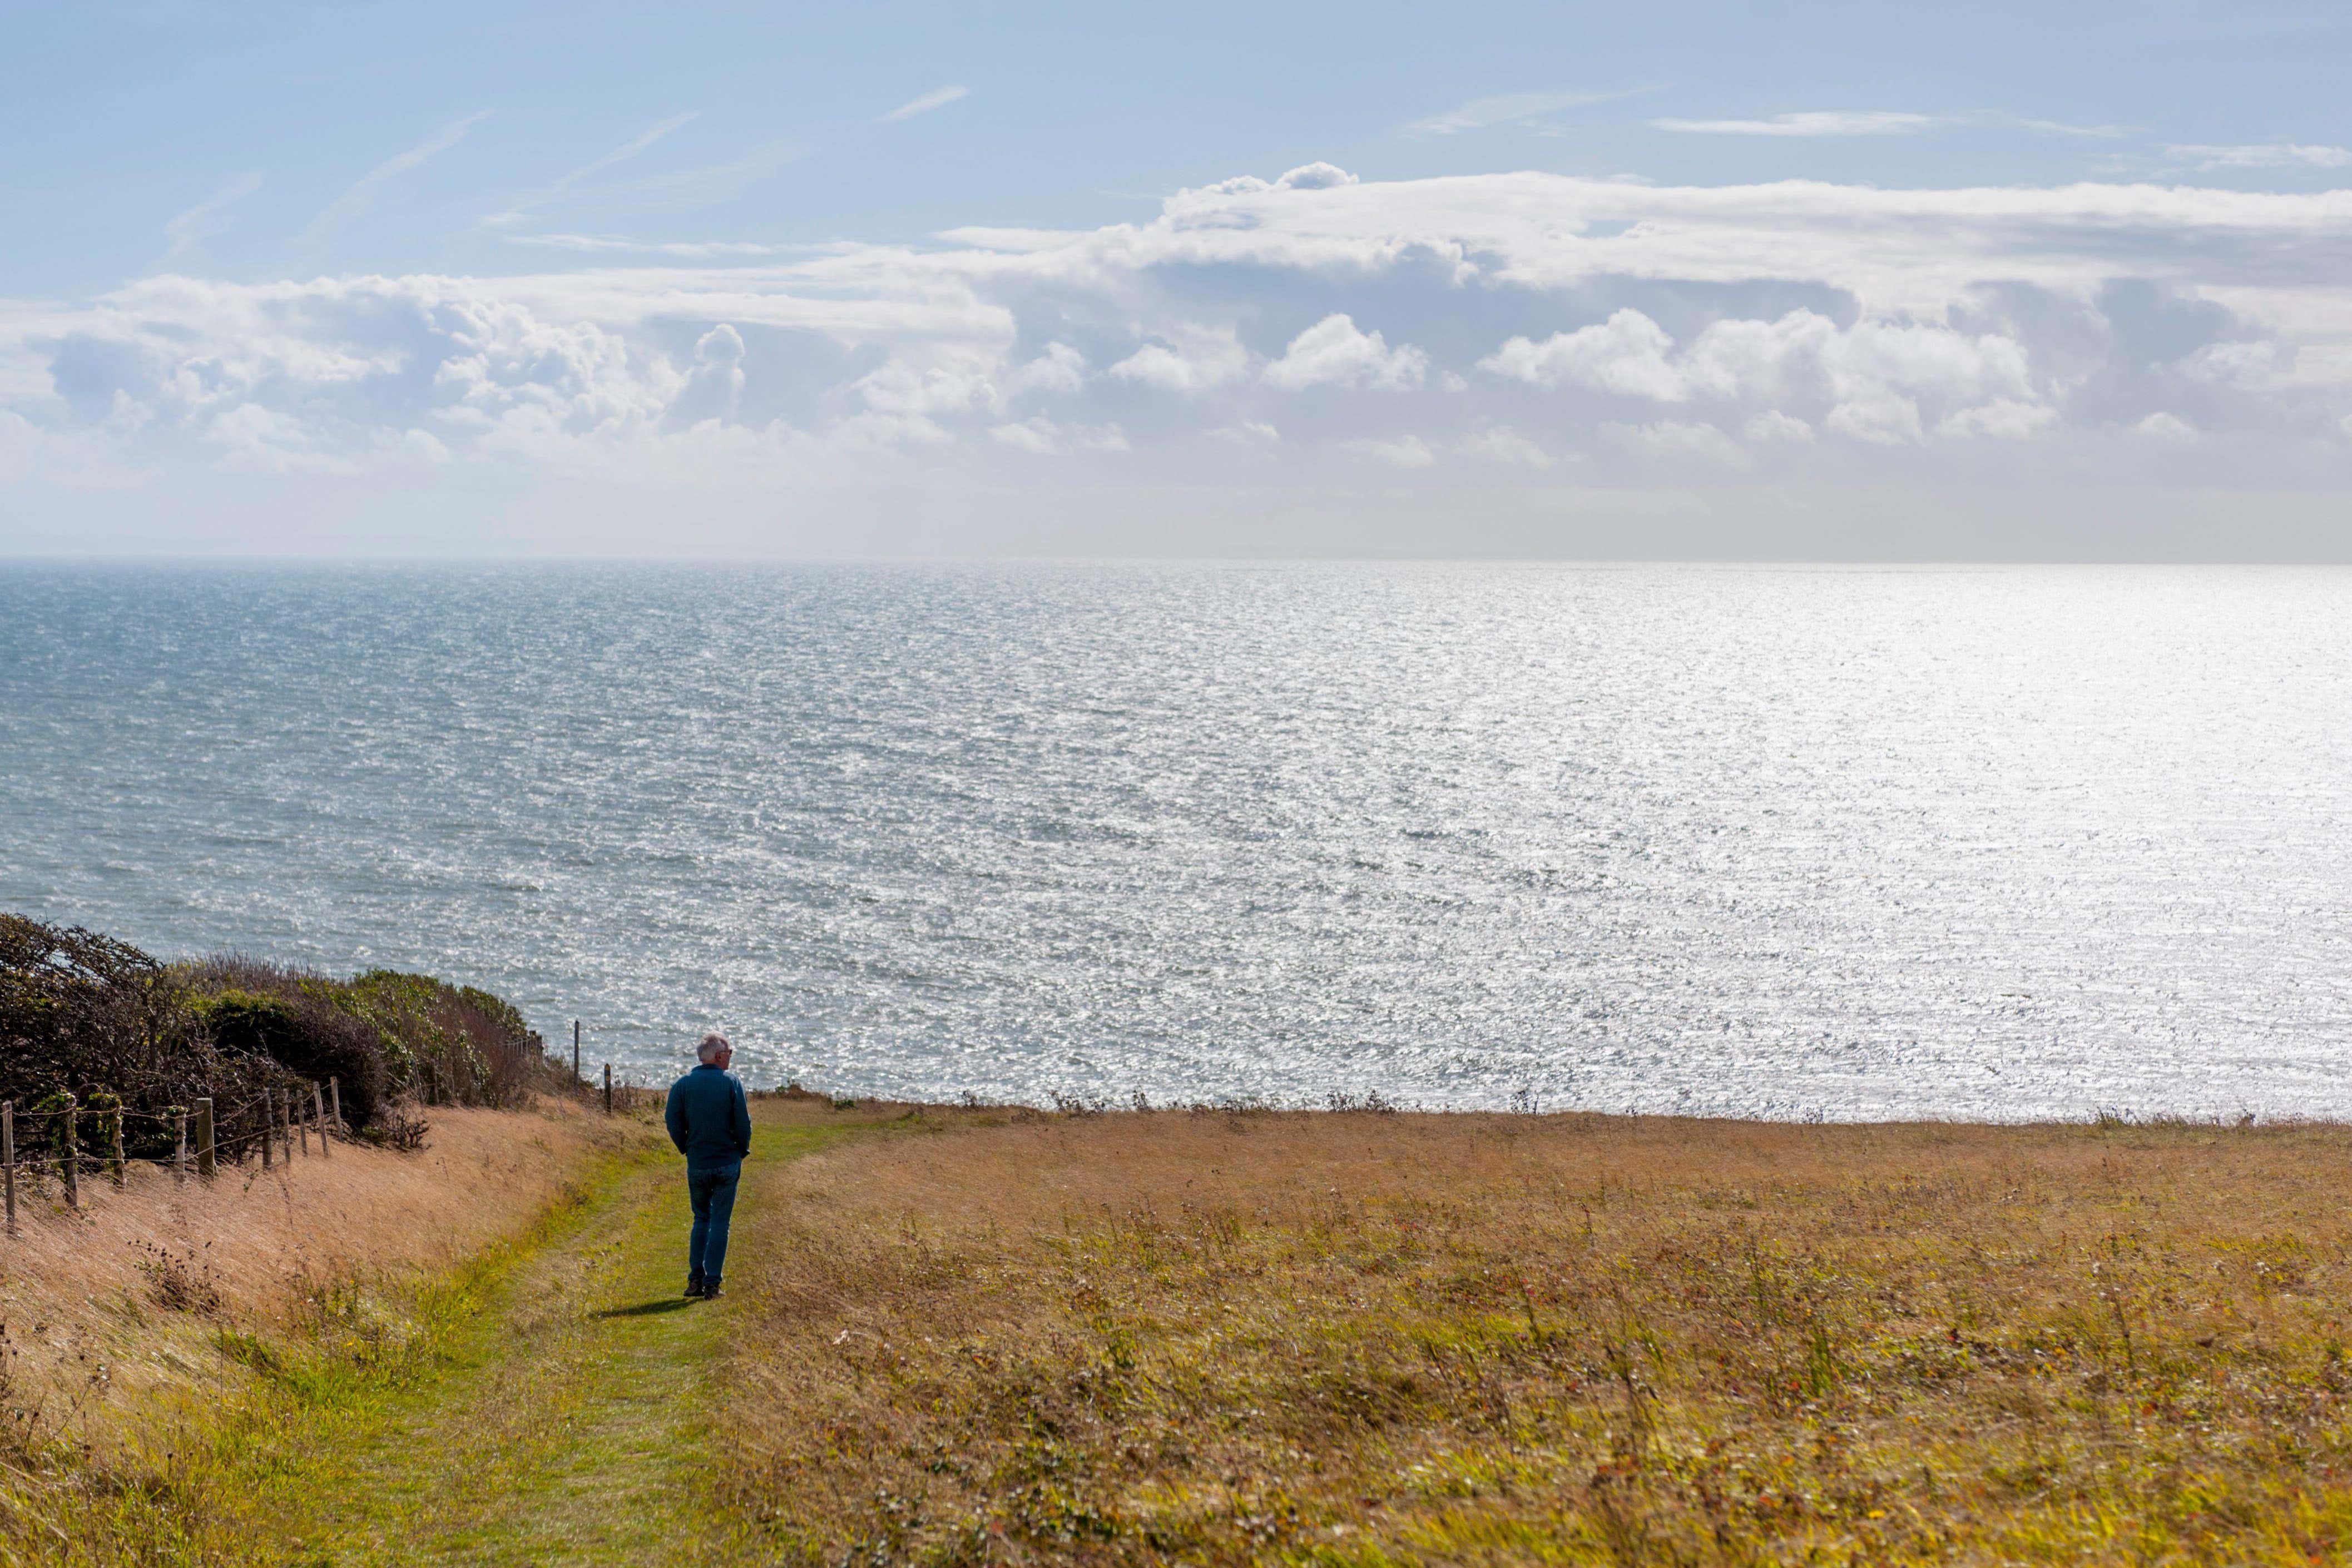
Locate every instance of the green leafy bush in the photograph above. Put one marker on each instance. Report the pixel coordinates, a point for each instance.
(87, 1014)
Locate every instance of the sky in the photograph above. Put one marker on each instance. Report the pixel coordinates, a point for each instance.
(1671, 281)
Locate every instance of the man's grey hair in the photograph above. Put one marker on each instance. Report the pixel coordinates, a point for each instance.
(712, 1044)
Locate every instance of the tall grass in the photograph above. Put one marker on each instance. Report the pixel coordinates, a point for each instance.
(1346, 1339)
(157, 1350)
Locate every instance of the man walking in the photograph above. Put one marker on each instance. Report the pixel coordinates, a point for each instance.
(711, 1125)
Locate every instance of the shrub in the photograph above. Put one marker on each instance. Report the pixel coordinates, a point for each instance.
(96, 1018)
(451, 1044)
(295, 1019)
(86, 1014)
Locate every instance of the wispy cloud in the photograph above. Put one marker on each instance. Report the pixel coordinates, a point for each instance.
(1511, 109)
(938, 98)
(706, 182)
(621, 154)
(189, 229)
(1811, 122)
(2262, 155)
(687, 248)
(1882, 122)
(2055, 127)
(356, 199)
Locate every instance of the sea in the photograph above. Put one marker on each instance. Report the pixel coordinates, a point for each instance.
(1810, 844)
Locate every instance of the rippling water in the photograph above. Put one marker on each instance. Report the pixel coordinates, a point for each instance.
(1784, 842)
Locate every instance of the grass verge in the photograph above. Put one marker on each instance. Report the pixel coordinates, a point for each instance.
(547, 1400)
(214, 1472)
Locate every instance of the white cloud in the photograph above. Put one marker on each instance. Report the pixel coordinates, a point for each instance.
(1628, 354)
(1191, 360)
(713, 388)
(2168, 428)
(1335, 353)
(1045, 437)
(185, 231)
(1676, 441)
(361, 193)
(1060, 369)
(1403, 451)
(938, 98)
(1811, 122)
(2252, 363)
(2262, 155)
(1317, 176)
(424, 446)
(1501, 443)
(2005, 419)
(960, 385)
(256, 439)
(1772, 425)
(20, 446)
(1511, 109)
(1873, 339)
(1882, 419)
(2056, 127)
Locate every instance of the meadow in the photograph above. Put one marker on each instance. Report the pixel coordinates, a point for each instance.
(1370, 1339)
(1232, 1335)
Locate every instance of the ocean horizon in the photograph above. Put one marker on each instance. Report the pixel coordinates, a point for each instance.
(1786, 840)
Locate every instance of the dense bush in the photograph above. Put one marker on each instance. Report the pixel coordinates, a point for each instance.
(87, 1014)
(449, 1044)
(292, 1018)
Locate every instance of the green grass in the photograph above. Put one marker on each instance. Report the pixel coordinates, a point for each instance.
(548, 1403)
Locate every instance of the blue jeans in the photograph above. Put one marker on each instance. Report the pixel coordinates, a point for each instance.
(712, 1190)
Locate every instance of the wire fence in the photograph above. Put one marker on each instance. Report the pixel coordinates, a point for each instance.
(272, 1125)
(197, 1134)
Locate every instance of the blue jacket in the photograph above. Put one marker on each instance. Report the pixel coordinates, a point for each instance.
(708, 1119)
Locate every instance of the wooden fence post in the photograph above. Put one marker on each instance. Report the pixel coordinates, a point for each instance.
(179, 1145)
(269, 1129)
(335, 1100)
(115, 1142)
(205, 1164)
(286, 1126)
(8, 1156)
(73, 1153)
(301, 1125)
(608, 1089)
(319, 1119)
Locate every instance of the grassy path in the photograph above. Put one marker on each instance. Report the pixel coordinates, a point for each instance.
(569, 1427)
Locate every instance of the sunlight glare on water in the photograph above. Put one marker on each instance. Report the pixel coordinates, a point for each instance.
(1785, 843)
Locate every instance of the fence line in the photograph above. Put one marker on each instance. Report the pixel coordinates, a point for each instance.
(280, 1121)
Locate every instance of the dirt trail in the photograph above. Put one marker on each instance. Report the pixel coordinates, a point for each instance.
(573, 1430)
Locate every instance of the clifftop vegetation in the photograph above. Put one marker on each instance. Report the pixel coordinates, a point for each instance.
(90, 1015)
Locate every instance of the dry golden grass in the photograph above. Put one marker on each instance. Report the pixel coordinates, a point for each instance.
(108, 1313)
(1365, 1339)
